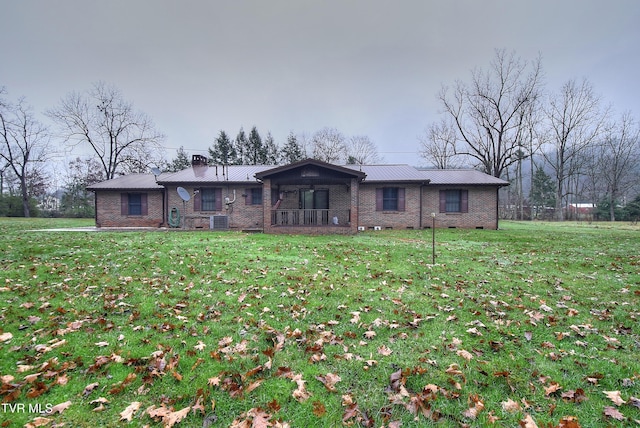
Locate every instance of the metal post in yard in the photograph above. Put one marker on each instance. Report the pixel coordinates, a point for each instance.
(433, 238)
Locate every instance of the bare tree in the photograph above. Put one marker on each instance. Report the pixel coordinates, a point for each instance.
(489, 112)
(122, 138)
(328, 145)
(24, 147)
(77, 201)
(575, 121)
(438, 145)
(361, 151)
(617, 160)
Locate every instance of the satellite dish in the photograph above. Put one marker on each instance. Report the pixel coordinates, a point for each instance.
(184, 194)
(156, 171)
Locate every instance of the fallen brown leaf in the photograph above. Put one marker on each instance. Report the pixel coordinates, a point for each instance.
(528, 422)
(569, 422)
(548, 390)
(614, 413)
(174, 417)
(615, 397)
(127, 414)
(38, 422)
(329, 381)
(511, 406)
(59, 408)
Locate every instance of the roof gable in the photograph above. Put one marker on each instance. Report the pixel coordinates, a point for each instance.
(310, 169)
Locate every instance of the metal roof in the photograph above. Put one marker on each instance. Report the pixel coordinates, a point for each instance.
(315, 162)
(128, 182)
(407, 173)
(215, 174)
(389, 172)
(469, 177)
(247, 174)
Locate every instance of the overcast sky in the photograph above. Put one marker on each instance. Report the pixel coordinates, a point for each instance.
(367, 67)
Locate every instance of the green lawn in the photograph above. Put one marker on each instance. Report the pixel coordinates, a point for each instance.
(535, 324)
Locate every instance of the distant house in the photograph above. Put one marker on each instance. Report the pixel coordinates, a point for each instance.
(309, 196)
(580, 211)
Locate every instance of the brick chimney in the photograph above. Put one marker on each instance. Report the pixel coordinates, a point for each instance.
(199, 160)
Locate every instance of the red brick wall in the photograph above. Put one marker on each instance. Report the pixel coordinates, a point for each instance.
(108, 212)
(361, 198)
(482, 211)
(407, 219)
(241, 216)
(341, 198)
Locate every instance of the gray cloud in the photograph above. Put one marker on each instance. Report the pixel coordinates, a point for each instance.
(365, 67)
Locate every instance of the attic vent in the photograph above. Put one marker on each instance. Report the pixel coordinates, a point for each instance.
(218, 222)
(310, 172)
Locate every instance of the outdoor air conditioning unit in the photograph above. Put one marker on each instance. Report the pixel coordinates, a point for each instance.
(360, 228)
(219, 222)
(377, 227)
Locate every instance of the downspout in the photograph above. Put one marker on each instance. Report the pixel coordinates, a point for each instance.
(95, 207)
(164, 208)
(497, 206)
(357, 219)
(420, 211)
(422, 186)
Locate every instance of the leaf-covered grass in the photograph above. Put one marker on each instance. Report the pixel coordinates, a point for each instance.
(536, 323)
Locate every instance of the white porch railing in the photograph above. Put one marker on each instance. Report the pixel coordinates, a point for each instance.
(310, 217)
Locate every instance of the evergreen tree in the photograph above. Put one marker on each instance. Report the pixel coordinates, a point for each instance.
(605, 207)
(180, 162)
(256, 153)
(240, 145)
(542, 191)
(272, 154)
(632, 210)
(292, 151)
(223, 151)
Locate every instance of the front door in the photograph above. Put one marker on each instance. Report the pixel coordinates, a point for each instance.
(313, 200)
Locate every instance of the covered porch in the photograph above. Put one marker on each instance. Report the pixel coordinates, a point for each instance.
(310, 197)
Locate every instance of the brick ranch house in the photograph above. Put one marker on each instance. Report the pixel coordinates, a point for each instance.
(309, 196)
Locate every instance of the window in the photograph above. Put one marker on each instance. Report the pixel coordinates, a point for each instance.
(454, 201)
(253, 196)
(208, 199)
(314, 199)
(133, 204)
(390, 199)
